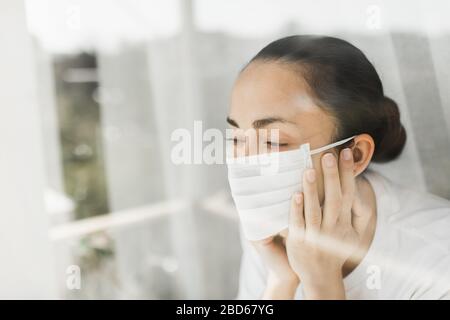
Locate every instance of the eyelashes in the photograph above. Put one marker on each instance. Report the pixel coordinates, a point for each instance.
(274, 144)
(269, 143)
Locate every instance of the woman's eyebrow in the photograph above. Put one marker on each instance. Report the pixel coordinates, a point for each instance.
(260, 123)
(232, 122)
(266, 121)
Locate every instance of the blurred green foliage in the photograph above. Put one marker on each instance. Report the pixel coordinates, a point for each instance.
(80, 136)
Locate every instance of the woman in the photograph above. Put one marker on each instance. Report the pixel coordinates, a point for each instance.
(351, 232)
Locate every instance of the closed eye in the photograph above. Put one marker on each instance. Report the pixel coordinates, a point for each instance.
(235, 140)
(275, 144)
(269, 143)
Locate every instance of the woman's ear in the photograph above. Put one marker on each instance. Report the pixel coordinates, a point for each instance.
(363, 149)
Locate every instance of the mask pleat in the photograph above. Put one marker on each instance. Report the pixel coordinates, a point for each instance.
(267, 198)
(258, 184)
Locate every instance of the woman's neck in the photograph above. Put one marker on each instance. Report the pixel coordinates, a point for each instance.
(364, 217)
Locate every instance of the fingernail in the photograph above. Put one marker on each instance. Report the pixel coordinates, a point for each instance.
(347, 154)
(329, 160)
(298, 197)
(311, 175)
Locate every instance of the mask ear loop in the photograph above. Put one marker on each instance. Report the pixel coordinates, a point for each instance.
(330, 146)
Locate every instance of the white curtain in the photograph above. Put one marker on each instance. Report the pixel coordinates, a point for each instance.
(150, 87)
(170, 83)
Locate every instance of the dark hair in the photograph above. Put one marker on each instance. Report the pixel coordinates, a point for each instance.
(344, 83)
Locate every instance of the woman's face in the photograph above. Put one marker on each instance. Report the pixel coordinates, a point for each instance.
(267, 96)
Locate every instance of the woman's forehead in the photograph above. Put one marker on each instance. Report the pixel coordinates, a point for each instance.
(268, 89)
(272, 91)
(268, 83)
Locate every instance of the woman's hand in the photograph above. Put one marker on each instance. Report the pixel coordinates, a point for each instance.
(282, 281)
(320, 240)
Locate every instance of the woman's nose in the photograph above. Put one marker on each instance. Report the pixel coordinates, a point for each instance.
(245, 149)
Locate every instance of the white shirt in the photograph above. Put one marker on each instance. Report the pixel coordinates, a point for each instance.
(409, 257)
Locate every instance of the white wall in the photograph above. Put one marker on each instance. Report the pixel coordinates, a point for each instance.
(26, 265)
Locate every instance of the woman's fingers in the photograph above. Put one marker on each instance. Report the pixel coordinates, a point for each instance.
(313, 214)
(347, 184)
(296, 218)
(332, 188)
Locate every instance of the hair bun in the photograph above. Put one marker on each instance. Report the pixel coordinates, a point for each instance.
(391, 132)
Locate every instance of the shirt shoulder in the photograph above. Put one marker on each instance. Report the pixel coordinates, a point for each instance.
(419, 214)
(416, 240)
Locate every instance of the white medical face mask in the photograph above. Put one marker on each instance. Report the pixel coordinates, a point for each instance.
(262, 187)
